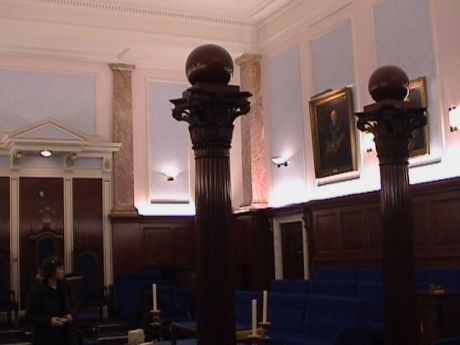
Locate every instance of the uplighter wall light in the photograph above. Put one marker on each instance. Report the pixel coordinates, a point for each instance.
(454, 118)
(280, 161)
(368, 141)
(170, 172)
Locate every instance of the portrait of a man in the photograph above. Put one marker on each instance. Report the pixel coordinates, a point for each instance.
(419, 144)
(333, 133)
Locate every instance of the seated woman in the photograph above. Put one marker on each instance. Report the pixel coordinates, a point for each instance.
(49, 305)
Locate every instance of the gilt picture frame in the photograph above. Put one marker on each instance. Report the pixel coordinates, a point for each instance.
(420, 143)
(333, 132)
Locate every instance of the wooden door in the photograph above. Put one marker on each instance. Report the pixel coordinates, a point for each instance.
(41, 225)
(292, 247)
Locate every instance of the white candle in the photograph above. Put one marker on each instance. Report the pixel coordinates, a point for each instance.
(154, 296)
(264, 306)
(254, 317)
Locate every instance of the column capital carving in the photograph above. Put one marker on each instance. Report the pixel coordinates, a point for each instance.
(211, 105)
(122, 67)
(248, 58)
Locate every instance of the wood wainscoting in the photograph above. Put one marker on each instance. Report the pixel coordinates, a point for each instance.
(168, 244)
(341, 232)
(148, 243)
(347, 232)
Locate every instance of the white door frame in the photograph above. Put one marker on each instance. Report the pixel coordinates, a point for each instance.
(278, 248)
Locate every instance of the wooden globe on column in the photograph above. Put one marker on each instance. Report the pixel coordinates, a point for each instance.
(392, 120)
(210, 106)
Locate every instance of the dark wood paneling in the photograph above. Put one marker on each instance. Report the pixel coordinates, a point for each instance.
(158, 246)
(5, 230)
(182, 245)
(374, 224)
(87, 221)
(126, 245)
(342, 232)
(327, 234)
(155, 243)
(35, 194)
(355, 235)
(347, 231)
(253, 247)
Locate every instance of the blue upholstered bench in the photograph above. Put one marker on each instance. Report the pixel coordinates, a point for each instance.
(296, 286)
(243, 306)
(337, 288)
(325, 320)
(447, 341)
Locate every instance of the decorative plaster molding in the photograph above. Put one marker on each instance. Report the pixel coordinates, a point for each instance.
(125, 8)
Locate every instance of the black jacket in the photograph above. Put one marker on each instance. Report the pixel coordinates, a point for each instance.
(44, 303)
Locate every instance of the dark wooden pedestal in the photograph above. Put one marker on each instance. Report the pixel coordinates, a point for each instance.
(439, 316)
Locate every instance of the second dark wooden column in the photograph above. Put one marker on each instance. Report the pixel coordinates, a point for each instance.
(210, 106)
(392, 121)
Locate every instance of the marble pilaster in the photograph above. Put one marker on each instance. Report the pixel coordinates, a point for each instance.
(252, 134)
(123, 171)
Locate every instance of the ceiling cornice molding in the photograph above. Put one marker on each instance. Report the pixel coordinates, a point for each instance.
(141, 10)
(291, 22)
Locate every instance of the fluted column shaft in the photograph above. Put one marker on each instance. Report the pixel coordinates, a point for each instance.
(210, 111)
(213, 217)
(123, 167)
(398, 245)
(392, 123)
(252, 134)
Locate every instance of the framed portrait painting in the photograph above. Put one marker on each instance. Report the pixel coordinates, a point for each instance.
(419, 144)
(333, 132)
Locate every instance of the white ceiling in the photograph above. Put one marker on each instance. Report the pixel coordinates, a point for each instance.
(152, 33)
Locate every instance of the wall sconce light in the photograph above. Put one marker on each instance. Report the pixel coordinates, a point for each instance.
(454, 118)
(368, 141)
(280, 161)
(170, 172)
(46, 153)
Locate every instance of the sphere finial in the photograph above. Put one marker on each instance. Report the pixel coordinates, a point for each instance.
(389, 82)
(209, 63)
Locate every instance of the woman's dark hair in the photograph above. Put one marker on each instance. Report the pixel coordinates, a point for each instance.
(49, 266)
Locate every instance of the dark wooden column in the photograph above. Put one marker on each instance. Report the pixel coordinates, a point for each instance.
(210, 106)
(392, 121)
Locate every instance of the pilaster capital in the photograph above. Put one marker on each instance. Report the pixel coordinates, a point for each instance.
(122, 67)
(248, 58)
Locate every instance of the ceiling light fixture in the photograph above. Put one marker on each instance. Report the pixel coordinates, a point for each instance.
(46, 153)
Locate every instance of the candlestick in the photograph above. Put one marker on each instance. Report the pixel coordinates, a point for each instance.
(264, 306)
(154, 296)
(254, 317)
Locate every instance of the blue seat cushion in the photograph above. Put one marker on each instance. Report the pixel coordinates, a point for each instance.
(287, 311)
(283, 338)
(339, 288)
(327, 315)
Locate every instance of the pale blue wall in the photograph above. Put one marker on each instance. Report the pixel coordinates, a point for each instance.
(404, 38)
(168, 142)
(284, 102)
(27, 97)
(332, 59)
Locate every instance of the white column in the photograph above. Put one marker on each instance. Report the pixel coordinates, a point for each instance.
(306, 266)
(68, 224)
(15, 276)
(278, 255)
(107, 230)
